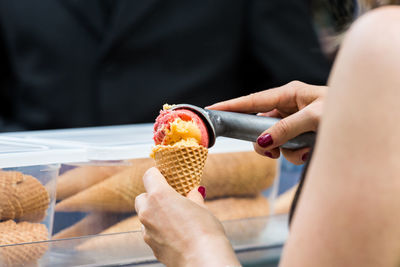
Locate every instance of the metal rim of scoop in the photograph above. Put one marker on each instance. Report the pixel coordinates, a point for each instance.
(202, 113)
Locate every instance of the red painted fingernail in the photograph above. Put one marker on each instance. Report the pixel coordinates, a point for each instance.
(202, 191)
(264, 140)
(305, 156)
(268, 154)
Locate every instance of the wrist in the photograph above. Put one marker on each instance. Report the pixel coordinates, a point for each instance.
(211, 251)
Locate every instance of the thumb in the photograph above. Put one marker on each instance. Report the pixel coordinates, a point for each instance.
(197, 195)
(154, 181)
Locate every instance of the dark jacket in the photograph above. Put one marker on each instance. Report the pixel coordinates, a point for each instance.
(67, 63)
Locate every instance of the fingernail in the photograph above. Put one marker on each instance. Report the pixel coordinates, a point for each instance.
(305, 156)
(202, 191)
(264, 140)
(268, 154)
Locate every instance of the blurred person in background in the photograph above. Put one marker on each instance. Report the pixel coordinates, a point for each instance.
(347, 212)
(66, 63)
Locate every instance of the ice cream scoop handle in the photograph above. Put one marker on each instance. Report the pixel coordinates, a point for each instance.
(249, 127)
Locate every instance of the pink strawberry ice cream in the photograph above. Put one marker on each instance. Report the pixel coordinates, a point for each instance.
(173, 126)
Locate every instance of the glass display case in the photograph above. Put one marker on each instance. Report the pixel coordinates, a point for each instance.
(91, 177)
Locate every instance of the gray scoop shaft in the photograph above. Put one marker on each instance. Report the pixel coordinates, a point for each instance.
(249, 127)
(242, 126)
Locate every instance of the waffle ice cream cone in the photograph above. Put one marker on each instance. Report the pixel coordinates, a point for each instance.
(23, 232)
(234, 208)
(80, 178)
(242, 217)
(226, 174)
(284, 201)
(182, 166)
(6, 207)
(129, 224)
(92, 224)
(22, 197)
(115, 194)
(126, 225)
(238, 174)
(224, 209)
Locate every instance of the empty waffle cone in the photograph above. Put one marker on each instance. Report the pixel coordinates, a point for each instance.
(225, 209)
(6, 207)
(126, 225)
(284, 201)
(237, 174)
(23, 232)
(22, 197)
(92, 224)
(182, 166)
(129, 224)
(242, 217)
(115, 194)
(233, 208)
(226, 174)
(80, 178)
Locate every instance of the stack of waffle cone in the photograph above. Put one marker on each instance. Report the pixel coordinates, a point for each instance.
(224, 175)
(80, 178)
(92, 224)
(237, 174)
(284, 201)
(120, 244)
(240, 216)
(182, 166)
(22, 197)
(224, 209)
(23, 232)
(115, 194)
(129, 224)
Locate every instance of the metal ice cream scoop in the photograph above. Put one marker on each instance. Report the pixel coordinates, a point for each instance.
(242, 126)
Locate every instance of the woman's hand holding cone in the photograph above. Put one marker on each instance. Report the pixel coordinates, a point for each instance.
(180, 230)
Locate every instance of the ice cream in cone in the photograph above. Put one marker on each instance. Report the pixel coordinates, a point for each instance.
(182, 166)
(22, 197)
(181, 148)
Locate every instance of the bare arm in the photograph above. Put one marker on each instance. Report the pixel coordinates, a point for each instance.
(348, 214)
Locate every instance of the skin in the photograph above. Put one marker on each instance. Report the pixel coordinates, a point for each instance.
(298, 104)
(181, 231)
(348, 211)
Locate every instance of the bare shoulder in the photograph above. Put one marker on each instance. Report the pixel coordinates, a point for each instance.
(377, 31)
(371, 50)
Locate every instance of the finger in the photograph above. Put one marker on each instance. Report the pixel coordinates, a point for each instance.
(287, 128)
(271, 153)
(195, 196)
(262, 101)
(284, 97)
(273, 113)
(140, 202)
(296, 157)
(154, 181)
